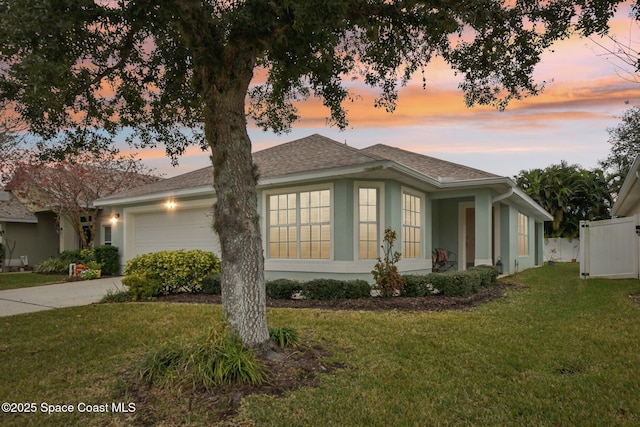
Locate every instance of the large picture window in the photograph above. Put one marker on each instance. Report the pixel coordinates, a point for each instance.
(300, 225)
(368, 223)
(523, 234)
(411, 225)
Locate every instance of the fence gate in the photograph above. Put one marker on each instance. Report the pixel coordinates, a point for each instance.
(609, 248)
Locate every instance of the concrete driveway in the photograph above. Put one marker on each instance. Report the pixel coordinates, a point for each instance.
(70, 294)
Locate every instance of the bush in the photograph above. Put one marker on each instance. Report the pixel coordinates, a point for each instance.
(77, 256)
(488, 274)
(109, 258)
(178, 271)
(418, 286)
(328, 289)
(212, 284)
(283, 288)
(143, 285)
(52, 266)
(284, 337)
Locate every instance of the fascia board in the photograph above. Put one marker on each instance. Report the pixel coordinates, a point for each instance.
(185, 192)
(21, 220)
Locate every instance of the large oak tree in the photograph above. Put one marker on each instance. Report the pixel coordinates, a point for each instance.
(89, 69)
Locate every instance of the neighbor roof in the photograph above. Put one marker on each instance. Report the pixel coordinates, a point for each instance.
(313, 153)
(12, 209)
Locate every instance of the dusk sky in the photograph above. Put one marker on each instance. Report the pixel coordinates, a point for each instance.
(586, 93)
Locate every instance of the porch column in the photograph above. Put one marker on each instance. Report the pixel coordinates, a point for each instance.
(483, 219)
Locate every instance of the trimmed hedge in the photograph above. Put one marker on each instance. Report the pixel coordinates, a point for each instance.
(283, 288)
(178, 271)
(211, 284)
(452, 283)
(328, 289)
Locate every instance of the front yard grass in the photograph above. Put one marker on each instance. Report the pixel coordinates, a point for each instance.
(27, 280)
(558, 351)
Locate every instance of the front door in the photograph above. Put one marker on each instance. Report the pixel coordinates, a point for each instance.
(470, 237)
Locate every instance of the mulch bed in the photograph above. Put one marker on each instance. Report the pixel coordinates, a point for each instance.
(432, 303)
(300, 366)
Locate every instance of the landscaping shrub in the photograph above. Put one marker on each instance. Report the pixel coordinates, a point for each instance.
(143, 285)
(77, 256)
(109, 258)
(488, 274)
(214, 359)
(283, 288)
(178, 271)
(389, 281)
(418, 285)
(52, 266)
(212, 285)
(328, 289)
(284, 337)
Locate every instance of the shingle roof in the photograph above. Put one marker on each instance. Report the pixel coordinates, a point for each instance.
(314, 153)
(429, 166)
(12, 209)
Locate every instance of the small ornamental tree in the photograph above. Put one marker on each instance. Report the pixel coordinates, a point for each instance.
(71, 186)
(388, 280)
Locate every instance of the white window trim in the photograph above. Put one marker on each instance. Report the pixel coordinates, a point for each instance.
(265, 224)
(528, 234)
(104, 225)
(356, 216)
(423, 216)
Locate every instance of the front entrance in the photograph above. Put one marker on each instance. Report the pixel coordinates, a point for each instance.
(470, 237)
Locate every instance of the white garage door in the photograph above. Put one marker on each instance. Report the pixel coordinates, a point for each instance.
(183, 229)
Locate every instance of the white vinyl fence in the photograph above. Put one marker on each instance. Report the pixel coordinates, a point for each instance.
(609, 248)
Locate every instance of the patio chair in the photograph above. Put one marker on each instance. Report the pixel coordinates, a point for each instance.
(443, 260)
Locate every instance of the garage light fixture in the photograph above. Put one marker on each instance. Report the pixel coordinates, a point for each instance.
(114, 218)
(171, 205)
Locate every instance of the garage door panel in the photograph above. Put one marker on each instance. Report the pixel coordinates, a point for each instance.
(186, 229)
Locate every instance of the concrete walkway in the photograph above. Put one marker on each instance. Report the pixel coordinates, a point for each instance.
(69, 294)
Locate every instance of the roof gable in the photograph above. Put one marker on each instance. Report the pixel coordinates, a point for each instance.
(13, 210)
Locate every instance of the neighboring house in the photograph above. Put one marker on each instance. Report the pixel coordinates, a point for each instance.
(42, 226)
(628, 199)
(611, 248)
(31, 235)
(325, 206)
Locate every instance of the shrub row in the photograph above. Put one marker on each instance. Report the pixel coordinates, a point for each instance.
(106, 257)
(317, 289)
(451, 284)
(169, 272)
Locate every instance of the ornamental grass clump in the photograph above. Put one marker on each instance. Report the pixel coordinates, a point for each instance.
(213, 359)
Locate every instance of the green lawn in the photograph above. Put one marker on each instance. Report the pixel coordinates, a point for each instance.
(560, 352)
(27, 280)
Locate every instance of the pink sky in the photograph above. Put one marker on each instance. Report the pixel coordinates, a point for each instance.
(586, 93)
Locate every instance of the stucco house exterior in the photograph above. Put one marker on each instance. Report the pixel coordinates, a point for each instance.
(33, 235)
(324, 208)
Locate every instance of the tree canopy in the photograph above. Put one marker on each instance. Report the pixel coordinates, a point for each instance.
(178, 72)
(570, 194)
(625, 146)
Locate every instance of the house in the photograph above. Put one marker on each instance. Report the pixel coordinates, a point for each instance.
(46, 210)
(325, 206)
(611, 248)
(628, 200)
(24, 233)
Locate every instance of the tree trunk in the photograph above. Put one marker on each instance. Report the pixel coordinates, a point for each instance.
(236, 218)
